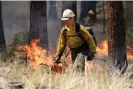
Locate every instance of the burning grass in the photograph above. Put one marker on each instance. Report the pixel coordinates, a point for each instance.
(102, 49)
(37, 75)
(38, 56)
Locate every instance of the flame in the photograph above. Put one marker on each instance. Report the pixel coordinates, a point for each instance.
(130, 52)
(102, 49)
(37, 55)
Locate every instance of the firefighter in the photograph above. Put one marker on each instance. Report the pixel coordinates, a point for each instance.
(68, 35)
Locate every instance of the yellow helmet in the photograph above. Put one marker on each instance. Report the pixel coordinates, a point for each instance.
(91, 12)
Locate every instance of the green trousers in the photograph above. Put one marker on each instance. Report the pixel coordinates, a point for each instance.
(79, 63)
(83, 49)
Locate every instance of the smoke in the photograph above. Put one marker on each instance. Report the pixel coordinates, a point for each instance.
(15, 18)
(53, 22)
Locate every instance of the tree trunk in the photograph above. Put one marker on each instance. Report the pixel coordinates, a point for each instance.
(117, 34)
(103, 18)
(38, 22)
(2, 37)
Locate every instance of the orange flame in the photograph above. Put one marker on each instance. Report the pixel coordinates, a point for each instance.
(103, 50)
(37, 55)
(130, 52)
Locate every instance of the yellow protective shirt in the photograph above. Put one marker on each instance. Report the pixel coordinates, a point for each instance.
(74, 40)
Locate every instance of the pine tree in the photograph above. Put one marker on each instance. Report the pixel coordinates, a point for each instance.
(2, 36)
(117, 34)
(38, 22)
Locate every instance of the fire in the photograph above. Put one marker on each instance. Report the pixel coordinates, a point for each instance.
(102, 49)
(37, 55)
(130, 52)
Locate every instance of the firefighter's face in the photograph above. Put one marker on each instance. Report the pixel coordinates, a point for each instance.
(70, 21)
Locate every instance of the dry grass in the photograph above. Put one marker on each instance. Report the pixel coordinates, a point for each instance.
(44, 78)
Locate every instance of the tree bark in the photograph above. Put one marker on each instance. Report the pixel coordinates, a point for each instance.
(2, 36)
(103, 18)
(38, 22)
(117, 34)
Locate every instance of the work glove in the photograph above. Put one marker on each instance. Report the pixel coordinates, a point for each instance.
(91, 56)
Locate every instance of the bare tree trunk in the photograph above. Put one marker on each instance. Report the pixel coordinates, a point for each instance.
(117, 34)
(2, 37)
(38, 22)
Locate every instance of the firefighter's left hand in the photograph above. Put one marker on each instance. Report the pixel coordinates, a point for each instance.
(92, 55)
